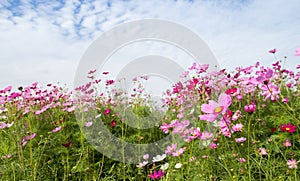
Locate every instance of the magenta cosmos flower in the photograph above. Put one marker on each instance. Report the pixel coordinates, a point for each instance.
(157, 175)
(213, 108)
(273, 51)
(288, 128)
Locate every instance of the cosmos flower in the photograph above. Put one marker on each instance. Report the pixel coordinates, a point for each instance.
(157, 175)
(288, 128)
(213, 108)
(292, 163)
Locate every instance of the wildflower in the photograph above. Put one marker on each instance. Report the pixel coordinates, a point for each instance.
(240, 140)
(285, 100)
(262, 151)
(265, 77)
(67, 145)
(193, 158)
(107, 111)
(6, 125)
(213, 109)
(113, 123)
(270, 92)
(88, 124)
(231, 91)
(228, 114)
(164, 166)
(157, 175)
(195, 134)
(146, 156)
(171, 149)
(236, 115)
(206, 135)
(288, 128)
(273, 129)
(180, 127)
(165, 127)
(250, 108)
(237, 127)
(56, 129)
(144, 163)
(159, 158)
(292, 163)
(287, 143)
(205, 156)
(178, 165)
(180, 115)
(98, 116)
(273, 51)
(178, 152)
(213, 146)
(241, 160)
(6, 156)
(109, 82)
(297, 52)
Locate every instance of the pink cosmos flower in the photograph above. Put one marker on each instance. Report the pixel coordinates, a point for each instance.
(241, 160)
(287, 143)
(250, 108)
(237, 127)
(206, 135)
(178, 152)
(213, 108)
(292, 163)
(88, 124)
(262, 151)
(56, 129)
(270, 92)
(146, 156)
(6, 125)
(297, 52)
(171, 149)
(285, 100)
(236, 115)
(240, 140)
(180, 127)
(165, 127)
(157, 175)
(265, 76)
(195, 134)
(213, 146)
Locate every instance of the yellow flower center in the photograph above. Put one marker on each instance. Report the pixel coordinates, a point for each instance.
(218, 109)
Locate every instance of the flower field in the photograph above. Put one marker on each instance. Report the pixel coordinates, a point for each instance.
(225, 125)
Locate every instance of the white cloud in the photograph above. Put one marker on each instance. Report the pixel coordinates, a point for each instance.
(44, 44)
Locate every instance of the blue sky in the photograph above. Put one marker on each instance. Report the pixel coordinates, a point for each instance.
(44, 40)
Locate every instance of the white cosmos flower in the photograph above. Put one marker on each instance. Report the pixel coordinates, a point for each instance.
(159, 158)
(98, 116)
(178, 165)
(165, 166)
(142, 164)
